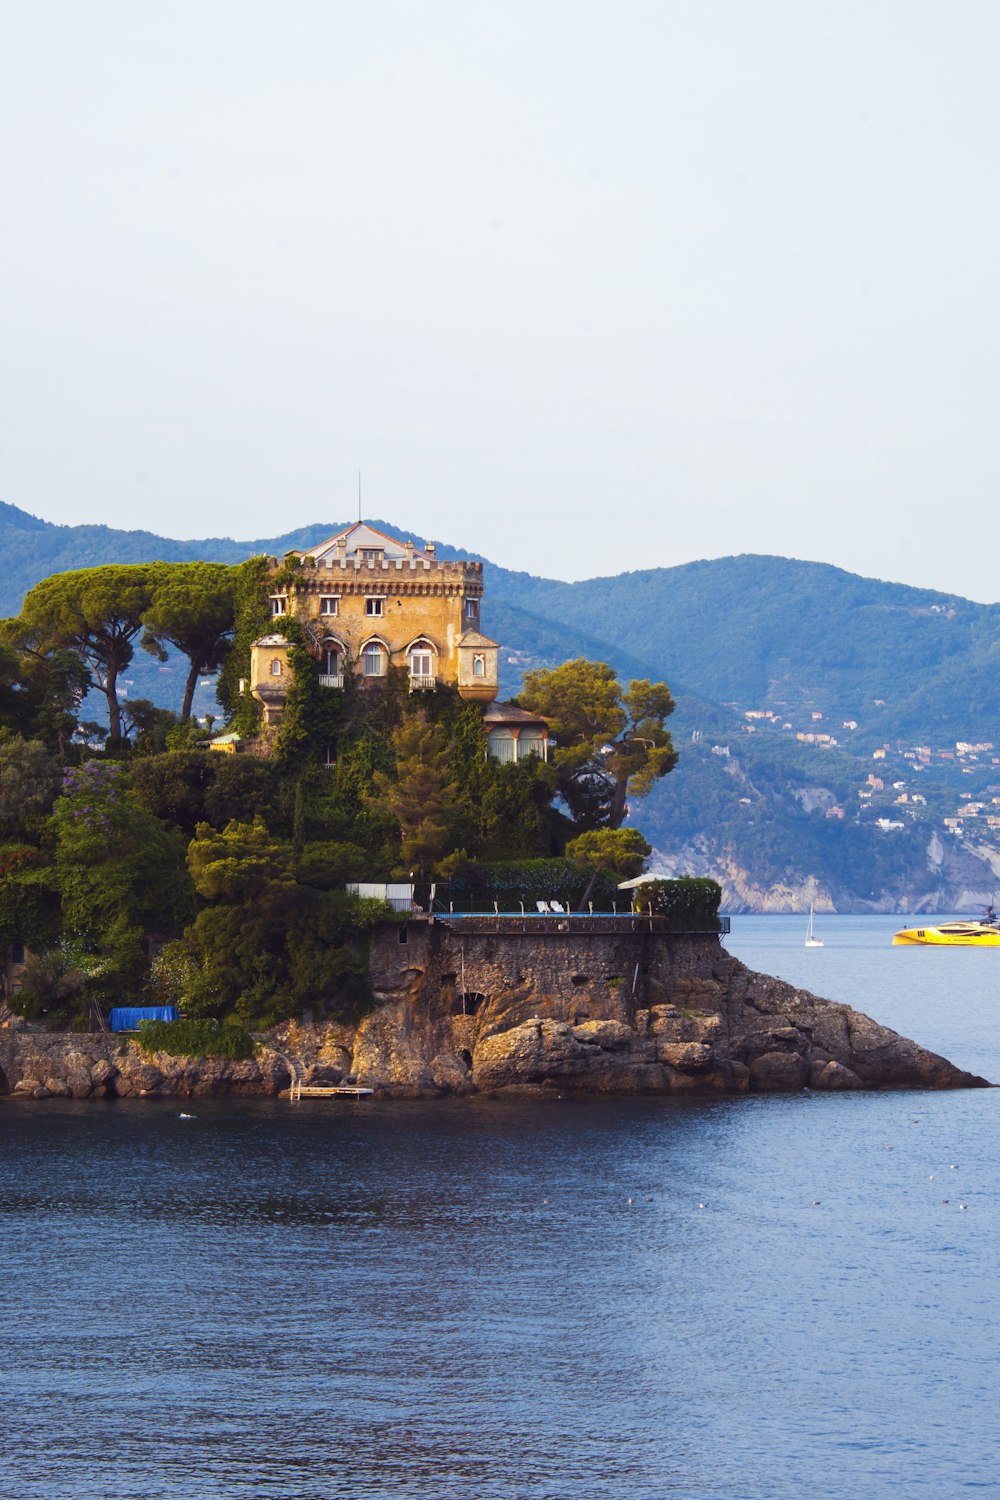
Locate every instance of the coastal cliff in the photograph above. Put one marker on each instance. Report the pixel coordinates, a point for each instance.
(462, 1008)
(951, 875)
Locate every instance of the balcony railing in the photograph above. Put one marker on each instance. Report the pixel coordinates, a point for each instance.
(420, 683)
(331, 679)
(550, 923)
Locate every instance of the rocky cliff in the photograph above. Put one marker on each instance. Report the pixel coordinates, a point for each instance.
(951, 875)
(462, 1007)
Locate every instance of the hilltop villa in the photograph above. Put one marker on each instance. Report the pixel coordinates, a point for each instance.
(367, 602)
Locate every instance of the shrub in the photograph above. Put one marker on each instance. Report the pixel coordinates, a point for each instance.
(690, 904)
(196, 1039)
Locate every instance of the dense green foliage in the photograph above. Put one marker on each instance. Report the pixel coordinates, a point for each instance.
(619, 851)
(191, 609)
(511, 883)
(688, 904)
(186, 1038)
(610, 742)
(160, 870)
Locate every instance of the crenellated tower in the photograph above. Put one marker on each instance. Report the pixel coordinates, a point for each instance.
(367, 601)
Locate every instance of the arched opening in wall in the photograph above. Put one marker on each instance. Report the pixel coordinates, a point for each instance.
(466, 1057)
(468, 1003)
(331, 662)
(374, 659)
(422, 658)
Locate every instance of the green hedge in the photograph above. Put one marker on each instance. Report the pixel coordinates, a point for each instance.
(196, 1039)
(689, 904)
(509, 882)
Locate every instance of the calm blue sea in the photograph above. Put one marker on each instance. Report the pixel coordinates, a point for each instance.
(459, 1299)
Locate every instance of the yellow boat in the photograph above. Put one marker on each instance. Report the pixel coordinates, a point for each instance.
(981, 934)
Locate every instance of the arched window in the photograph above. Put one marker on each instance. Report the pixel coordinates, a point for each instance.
(275, 667)
(331, 662)
(373, 660)
(479, 666)
(531, 742)
(421, 659)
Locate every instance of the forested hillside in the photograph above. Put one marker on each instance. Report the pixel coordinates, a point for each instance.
(821, 716)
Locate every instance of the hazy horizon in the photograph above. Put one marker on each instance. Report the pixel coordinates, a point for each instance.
(585, 288)
(458, 543)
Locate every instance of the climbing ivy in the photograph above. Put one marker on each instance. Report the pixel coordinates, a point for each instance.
(252, 620)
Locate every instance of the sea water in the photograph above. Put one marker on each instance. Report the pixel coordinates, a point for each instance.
(759, 1297)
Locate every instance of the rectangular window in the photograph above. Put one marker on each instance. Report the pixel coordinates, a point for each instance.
(279, 604)
(374, 606)
(472, 609)
(372, 556)
(328, 604)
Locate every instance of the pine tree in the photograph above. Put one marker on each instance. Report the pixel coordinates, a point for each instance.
(421, 795)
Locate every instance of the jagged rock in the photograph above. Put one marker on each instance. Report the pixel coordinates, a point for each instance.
(136, 1077)
(612, 1036)
(772, 1072)
(833, 1075)
(451, 1075)
(690, 1057)
(774, 1039)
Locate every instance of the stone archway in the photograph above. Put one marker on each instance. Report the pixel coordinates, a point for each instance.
(468, 1003)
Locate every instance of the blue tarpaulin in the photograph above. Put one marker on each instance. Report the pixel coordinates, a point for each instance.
(129, 1017)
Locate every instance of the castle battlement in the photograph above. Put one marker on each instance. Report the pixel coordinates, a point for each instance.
(352, 574)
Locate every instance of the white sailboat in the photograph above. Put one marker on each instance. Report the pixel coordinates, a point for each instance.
(811, 941)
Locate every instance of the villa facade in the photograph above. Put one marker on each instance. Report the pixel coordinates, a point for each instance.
(367, 602)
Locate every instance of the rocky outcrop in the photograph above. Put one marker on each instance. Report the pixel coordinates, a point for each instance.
(48, 1066)
(500, 1009)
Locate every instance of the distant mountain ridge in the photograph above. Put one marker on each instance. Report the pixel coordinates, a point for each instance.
(771, 659)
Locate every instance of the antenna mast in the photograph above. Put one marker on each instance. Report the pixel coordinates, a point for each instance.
(359, 496)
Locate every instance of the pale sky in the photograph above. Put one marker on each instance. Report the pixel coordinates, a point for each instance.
(581, 286)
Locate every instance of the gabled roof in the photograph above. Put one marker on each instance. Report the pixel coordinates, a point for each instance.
(509, 713)
(474, 639)
(361, 535)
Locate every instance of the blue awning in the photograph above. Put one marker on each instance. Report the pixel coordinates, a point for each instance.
(130, 1017)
